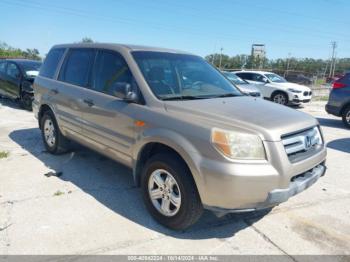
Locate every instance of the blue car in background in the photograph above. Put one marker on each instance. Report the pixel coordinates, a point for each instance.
(339, 99)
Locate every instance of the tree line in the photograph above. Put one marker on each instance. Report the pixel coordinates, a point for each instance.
(7, 51)
(309, 66)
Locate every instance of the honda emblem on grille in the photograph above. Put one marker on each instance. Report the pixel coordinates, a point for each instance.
(308, 142)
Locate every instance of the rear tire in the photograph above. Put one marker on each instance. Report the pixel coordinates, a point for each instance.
(280, 98)
(54, 141)
(346, 116)
(182, 204)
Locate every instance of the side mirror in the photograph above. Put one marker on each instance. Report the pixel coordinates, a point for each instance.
(265, 80)
(124, 91)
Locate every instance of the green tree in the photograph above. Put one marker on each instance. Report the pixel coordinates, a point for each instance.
(86, 40)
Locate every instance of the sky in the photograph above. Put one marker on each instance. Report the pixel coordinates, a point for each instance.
(301, 28)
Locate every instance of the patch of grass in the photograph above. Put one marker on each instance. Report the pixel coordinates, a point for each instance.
(321, 98)
(4, 154)
(58, 193)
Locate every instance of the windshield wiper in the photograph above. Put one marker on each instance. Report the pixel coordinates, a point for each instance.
(227, 95)
(183, 98)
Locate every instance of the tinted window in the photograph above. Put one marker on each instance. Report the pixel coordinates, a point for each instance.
(76, 67)
(246, 76)
(51, 62)
(2, 67)
(12, 70)
(345, 79)
(110, 72)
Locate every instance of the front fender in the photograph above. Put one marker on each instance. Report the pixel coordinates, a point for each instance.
(175, 141)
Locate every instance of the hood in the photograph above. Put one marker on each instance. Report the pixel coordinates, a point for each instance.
(258, 116)
(291, 85)
(248, 88)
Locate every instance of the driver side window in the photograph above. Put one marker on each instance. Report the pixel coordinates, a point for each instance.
(12, 71)
(111, 73)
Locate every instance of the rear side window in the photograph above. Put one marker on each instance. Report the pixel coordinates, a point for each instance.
(110, 70)
(76, 68)
(51, 62)
(245, 76)
(345, 79)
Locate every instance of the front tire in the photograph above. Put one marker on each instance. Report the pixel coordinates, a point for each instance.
(25, 101)
(346, 116)
(169, 192)
(54, 141)
(280, 98)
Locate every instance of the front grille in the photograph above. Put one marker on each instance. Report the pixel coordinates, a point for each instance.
(302, 144)
(306, 93)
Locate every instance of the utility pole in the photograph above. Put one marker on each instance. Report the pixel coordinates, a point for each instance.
(332, 67)
(220, 57)
(288, 60)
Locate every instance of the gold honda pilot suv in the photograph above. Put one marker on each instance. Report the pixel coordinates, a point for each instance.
(192, 139)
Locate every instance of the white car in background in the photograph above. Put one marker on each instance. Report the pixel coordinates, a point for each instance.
(276, 88)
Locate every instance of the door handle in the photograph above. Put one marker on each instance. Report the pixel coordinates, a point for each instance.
(89, 102)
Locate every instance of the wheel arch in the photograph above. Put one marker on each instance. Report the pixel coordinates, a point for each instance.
(180, 147)
(278, 91)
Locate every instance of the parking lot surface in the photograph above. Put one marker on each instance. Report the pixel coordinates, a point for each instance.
(89, 204)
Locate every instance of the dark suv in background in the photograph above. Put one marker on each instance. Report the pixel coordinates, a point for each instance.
(16, 79)
(339, 99)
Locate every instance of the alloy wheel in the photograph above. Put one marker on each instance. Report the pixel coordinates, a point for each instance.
(164, 192)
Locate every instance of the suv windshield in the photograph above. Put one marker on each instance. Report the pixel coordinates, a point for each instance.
(31, 68)
(180, 76)
(234, 78)
(275, 78)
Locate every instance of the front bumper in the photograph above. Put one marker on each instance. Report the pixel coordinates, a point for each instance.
(298, 184)
(333, 110)
(236, 186)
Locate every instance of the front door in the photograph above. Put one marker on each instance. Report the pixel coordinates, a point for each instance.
(107, 119)
(12, 80)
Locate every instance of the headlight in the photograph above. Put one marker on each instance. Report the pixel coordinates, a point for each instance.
(294, 90)
(238, 145)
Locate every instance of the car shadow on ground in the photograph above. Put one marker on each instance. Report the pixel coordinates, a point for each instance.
(330, 122)
(4, 101)
(342, 144)
(112, 185)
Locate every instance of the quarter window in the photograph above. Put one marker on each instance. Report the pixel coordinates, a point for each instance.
(110, 72)
(51, 62)
(76, 68)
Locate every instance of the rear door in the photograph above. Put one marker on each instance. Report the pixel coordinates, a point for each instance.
(73, 80)
(108, 119)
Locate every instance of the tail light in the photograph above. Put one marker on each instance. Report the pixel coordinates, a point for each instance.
(337, 85)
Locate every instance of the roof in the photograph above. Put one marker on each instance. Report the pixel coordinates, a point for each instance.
(20, 60)
(251, 71)
(120, 46)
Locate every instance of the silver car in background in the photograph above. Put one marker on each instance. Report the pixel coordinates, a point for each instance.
(244, 86)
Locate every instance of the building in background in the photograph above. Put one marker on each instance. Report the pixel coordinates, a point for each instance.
(258, 51)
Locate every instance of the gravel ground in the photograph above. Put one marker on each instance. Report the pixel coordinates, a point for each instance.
(94, 208)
